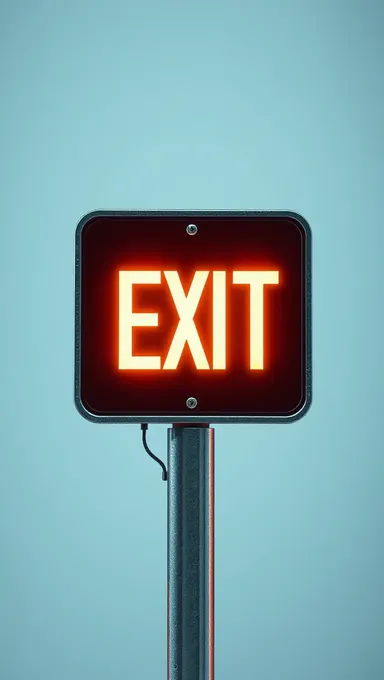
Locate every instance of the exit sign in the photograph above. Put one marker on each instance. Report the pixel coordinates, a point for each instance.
(192, 316)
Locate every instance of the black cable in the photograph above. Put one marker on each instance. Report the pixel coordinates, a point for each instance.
(144, 428)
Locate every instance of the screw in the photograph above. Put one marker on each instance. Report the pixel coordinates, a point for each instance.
(191, 229)
(191, 402)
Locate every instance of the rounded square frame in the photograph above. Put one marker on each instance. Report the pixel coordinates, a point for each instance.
(204, 419)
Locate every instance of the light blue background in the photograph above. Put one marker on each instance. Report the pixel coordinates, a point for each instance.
(207, 105)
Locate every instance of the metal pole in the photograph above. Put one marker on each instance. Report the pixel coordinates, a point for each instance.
(190, 552)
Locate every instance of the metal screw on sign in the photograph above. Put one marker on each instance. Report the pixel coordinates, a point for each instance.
(191, 229)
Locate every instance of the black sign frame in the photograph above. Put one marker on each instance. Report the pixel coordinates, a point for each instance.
(191, 417)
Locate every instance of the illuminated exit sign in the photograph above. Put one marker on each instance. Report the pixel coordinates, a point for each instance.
(193, 316)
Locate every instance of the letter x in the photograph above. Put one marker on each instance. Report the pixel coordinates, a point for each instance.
(186, 331)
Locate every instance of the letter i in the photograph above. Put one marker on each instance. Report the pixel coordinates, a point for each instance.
(219, 320)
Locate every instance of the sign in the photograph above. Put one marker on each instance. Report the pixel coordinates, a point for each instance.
(193, 316)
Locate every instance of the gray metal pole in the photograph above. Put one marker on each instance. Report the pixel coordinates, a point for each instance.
(190, 552)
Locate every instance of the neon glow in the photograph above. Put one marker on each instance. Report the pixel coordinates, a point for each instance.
(186, 305)
(128, 319)
(256, 281)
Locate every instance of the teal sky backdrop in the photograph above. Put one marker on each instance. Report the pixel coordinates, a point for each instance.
(199, 105)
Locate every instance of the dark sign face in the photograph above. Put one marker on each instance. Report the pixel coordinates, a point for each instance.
(193, 316)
